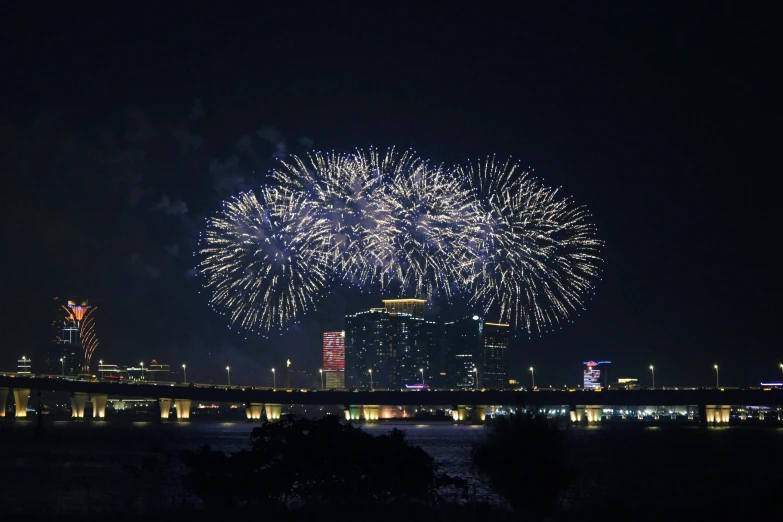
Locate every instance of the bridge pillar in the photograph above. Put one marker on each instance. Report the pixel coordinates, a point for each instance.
(273, 412)
(165, 407)
(761, 415)
(717, 413)
(254, 410)
(353, 412)
(99, 405)
(78, 399)
(459, 413)
(572, 413)
(580, 413)
(478, 415)
(371, 412)
(594, 413)
(3, 400)
(21, 395)
(183, 408)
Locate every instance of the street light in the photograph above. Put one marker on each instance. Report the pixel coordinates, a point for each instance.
(533, 377)
(717, 382)
(371, 386)
(321, 371)
(781, 368)
(653, 375)
(228, 370)
(475, 378)
(274, 379)
(62, 363)
(100, 368)
(142, 370)
(185, 372)
(421, 370)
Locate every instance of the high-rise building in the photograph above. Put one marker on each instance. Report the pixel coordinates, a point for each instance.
(412, 307)
(463, 339)
(592, 375)
(368, 347)
(24, 365)
(75, 339)
(395, 342)
(494, 366)
(334, 359)
(476, 353)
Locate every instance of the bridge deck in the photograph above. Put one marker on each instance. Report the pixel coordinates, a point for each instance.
(756, 397)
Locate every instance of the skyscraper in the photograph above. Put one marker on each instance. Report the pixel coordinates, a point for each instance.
(368, 346)
(334, 359)
(395, 342)
(463, 339)
(412, 307)
(476, 353)
(494, 369)
(75, 339)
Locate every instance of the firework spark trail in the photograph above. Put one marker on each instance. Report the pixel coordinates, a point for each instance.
(391, 219)
(266, 258)
(539, 256)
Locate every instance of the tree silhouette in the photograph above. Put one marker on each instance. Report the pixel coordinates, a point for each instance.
(527, 460)
(299, 461)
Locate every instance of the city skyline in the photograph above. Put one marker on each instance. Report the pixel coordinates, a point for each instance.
(107, 190)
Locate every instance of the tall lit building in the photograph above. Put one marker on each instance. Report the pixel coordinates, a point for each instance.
(476, 353)
(24, 365)
(592, 376)
(463, 339)
(494, 366)
(368, 347)
(334, 360)
(395, 342)
(74, 338)
(412, 307)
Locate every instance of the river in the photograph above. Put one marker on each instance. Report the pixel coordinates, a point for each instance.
(85, 466)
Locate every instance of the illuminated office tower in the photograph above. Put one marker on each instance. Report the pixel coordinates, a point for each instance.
(412, 307)
(494, 366)
(463, 341)
(334, 360)
(368, 346)
(476, 353)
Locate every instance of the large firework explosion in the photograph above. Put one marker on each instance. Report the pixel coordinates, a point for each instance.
(487, 230)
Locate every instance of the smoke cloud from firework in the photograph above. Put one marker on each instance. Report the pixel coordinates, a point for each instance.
(487, 231)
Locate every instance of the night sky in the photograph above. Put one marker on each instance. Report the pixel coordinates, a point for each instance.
(122, 129)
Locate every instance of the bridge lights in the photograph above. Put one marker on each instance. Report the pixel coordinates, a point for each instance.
(371, 385)
(321, 371)
(184, 374)
(228, 370)
(274, 379)
(62, 363)
(533, 377)
(652, 370)
(421, 370)
(717, 381)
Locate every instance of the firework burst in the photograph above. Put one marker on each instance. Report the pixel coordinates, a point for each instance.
(488, 230)
(537, 257)
(265, 258)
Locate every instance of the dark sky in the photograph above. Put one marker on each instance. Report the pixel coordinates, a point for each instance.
(121, 129)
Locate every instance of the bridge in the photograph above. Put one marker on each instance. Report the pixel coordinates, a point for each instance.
(713, 405)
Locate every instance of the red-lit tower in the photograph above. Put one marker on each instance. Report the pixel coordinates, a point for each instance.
(334, 359)
(79, 320)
